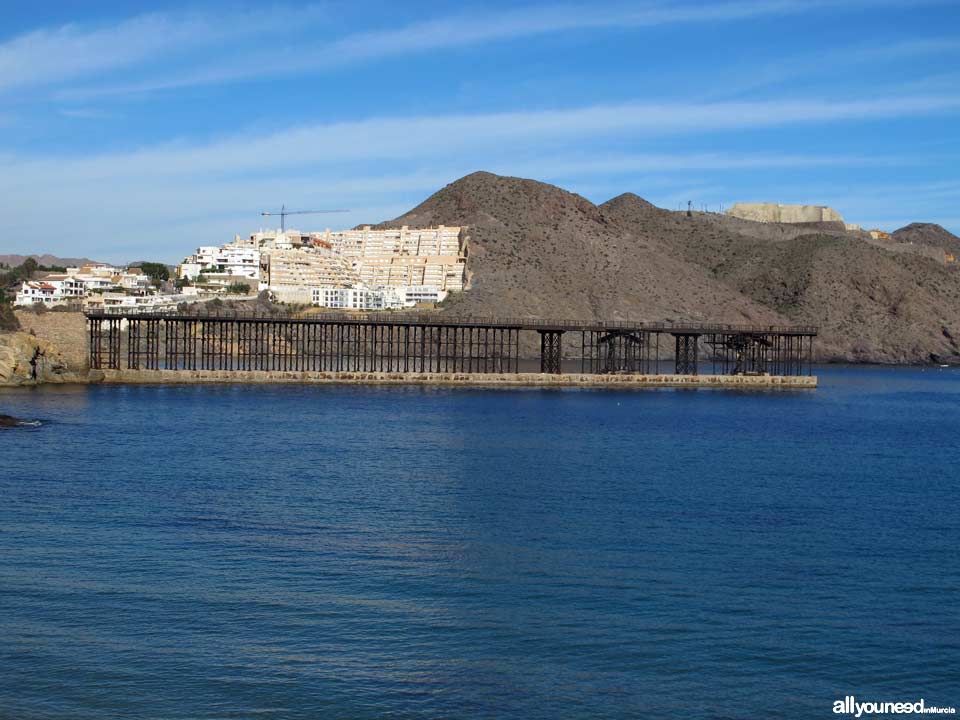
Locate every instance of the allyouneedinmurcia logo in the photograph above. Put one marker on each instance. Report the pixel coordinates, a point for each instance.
(850, 706)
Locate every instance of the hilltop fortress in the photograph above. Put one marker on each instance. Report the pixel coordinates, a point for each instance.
(773, 212)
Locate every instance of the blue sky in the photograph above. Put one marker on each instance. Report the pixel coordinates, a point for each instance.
(141, 131)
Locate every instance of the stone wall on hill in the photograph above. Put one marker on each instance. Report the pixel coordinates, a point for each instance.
(773, 212)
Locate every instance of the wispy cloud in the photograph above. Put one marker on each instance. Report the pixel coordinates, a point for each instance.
(389, 161)
(398, 138)
(69, 52)
(631, 163)
(84, 113)
(55, 55)
(815, 65)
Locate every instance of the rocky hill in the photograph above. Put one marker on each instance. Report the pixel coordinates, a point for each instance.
(929, 234)
(45, 260)
(541, 251)
(535, 249)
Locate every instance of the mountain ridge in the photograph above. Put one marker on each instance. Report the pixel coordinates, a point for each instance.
(536, 249)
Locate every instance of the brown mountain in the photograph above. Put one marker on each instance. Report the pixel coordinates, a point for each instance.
(535, 249)
(48, 260)
(929, 234)
(538, 250)
(871, 304)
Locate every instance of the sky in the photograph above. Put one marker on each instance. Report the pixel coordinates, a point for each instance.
(140, 131)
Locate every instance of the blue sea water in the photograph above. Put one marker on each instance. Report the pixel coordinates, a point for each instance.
(364, 552)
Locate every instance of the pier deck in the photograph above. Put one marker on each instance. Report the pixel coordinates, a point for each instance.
(436, 345)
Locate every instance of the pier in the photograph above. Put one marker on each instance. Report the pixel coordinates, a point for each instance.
(437, 346)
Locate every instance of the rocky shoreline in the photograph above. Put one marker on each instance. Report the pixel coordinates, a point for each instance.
(52, 350)
(28, 360)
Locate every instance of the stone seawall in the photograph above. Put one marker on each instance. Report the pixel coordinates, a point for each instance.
(136, 377)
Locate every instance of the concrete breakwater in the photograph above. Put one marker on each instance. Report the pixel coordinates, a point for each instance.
(613, 381)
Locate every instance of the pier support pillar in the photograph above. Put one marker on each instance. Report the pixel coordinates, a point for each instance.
(686, 354)
(551, 351)
(95, 330)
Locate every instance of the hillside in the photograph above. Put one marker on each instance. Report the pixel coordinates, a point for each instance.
(535, 249)
(870, 303)
(929, 234)
(45, 260)
(538, 250)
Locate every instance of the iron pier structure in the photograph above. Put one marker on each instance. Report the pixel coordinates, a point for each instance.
(419, 343)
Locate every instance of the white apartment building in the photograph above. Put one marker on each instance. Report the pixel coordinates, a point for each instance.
(133, 280)
(420, 242)
(230, 259)
(51, 291)
(96, 277)
(281, 240)
(416, 294)
(306, 269)
(357, 298)
(108, 277)
(135, 304)
(402, 256)
(375, 298)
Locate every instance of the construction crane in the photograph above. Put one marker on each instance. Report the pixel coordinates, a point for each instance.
(284, 212)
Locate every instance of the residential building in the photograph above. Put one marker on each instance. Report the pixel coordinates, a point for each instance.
(230, 259)
(305, 268)
(96, 277)
(107, 277)
(281, 240)
(402, 256)
(357, 298)
(361, 297)
(134, 304)
(133, 280)
(52, 290)
(419, 294)
(298, 267)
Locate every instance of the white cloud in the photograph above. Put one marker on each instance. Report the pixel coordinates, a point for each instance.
(479, 135)
(679, 163)
(168, 197)
(54, 55)
(84, 113)
(828, 62)
(69, 52)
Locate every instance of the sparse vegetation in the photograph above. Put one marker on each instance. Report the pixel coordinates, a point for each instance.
(8, 320)
(19, 274)
(9, 283)
(157, 272)
(238, 288)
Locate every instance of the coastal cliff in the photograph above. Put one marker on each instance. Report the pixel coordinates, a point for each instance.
(26, 359)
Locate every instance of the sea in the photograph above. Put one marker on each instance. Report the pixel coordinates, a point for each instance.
(279, 551)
